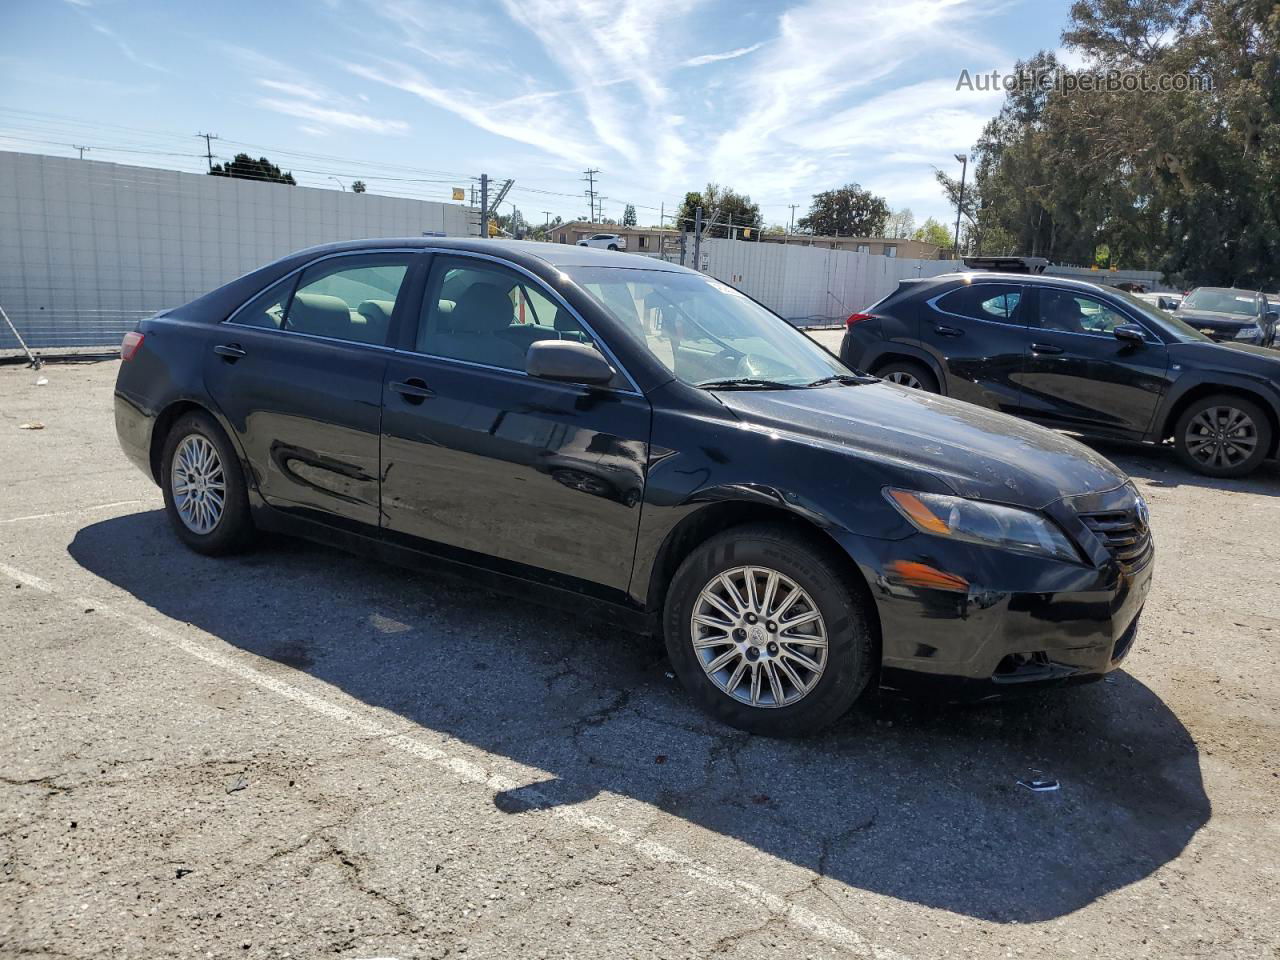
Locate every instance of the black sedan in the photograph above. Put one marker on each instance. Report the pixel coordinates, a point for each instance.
(1076, 356)
(1225, 313)
(630, 437)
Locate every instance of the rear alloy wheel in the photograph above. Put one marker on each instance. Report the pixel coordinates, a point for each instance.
(767, 631)
(908, 374)
(204, 489)
(1222, 436)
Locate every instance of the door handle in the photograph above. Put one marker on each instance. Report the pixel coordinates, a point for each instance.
(231, 351)
(946, 331)
(413, 390)
(1045, 348)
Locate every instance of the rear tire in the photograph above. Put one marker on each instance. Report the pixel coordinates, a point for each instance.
(1222, 436)
(908, 373)
(791, 698)
(613, 246)
(205, 495)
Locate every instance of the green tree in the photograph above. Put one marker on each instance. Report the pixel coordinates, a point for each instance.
(723, 209)
(358, 187)
(244, 167)
(629, 216)
(931, 231)
(846, 211)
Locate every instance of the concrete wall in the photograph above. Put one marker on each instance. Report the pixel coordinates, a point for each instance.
(87, 247)
(811, 284)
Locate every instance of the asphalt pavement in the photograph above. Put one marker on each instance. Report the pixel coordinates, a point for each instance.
(297, 752)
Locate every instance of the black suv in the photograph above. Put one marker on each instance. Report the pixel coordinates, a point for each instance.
(1227, 313)
(1076, 356)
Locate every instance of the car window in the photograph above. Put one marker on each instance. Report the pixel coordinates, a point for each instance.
(995, 302)
(704, 331)
(348, 298)
(486, 313)
(268, 308)
(1214, 300)
(1075, 313)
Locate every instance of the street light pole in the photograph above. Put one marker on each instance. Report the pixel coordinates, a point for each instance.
(339, 183)
(964, 165)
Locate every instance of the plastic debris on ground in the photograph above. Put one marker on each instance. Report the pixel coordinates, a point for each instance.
(33, 425)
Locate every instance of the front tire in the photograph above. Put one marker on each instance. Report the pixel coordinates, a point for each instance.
(204, 488)
(768, 632)
(1222, 436)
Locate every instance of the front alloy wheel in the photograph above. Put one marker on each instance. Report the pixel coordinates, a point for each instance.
(769, 629)
(759, 636)
(1223, 436)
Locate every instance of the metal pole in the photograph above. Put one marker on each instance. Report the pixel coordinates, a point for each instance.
(697, 239)
(964, 165)
(31, 357)
(683, 237)
(484, 205)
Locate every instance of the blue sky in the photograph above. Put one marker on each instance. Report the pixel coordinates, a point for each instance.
(779, 100)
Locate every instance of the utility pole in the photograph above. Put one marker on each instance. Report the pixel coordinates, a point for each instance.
(792, 228)
(697, 239)
(208, 146)
(484, 205)
(76, 146)
(964, 164)
(590, 177)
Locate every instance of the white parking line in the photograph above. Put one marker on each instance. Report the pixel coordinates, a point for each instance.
(72, 513)
(471, 771)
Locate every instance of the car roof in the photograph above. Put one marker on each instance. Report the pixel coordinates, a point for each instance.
(968, 276)
(1252, 293)
(527, 253)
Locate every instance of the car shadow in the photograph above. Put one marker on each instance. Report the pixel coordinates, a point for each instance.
(911, 801)
(1160, 467)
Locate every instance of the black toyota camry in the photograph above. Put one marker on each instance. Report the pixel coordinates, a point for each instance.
(623, 435)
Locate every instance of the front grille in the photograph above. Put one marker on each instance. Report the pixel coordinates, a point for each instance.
(1125, 534)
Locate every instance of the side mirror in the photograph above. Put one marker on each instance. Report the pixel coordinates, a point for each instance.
(1273, 315)
(567, 362)
(1129, 333)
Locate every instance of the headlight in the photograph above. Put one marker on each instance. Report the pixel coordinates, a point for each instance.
(1009, 528)
(1248, 333)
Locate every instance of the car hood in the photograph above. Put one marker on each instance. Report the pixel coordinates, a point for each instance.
(978, 452)
(1211, 318)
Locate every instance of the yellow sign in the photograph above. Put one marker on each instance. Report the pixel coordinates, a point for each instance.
(459, 193)
(746, 233)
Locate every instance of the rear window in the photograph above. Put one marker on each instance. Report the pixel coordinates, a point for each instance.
(993, 302)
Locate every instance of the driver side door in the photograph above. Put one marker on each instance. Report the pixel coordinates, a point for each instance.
(499, 467)
(1078, 376)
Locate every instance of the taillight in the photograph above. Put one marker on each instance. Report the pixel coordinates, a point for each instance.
(858, 318)
(130, 344)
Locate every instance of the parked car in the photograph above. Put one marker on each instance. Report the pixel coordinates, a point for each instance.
(1076, 356)
(633, 437)
(605, 241)
(1225, 313)
(1163, 301)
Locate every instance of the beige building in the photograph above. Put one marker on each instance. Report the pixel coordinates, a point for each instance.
(650, 240)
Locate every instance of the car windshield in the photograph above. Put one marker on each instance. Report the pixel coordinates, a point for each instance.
(1170, 323)
(1242, 303)
(705, 332)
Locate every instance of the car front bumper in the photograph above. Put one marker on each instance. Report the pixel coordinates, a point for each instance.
(960, 621)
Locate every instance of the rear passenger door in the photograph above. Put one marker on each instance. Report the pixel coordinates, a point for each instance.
(297, 372)
(977, 333)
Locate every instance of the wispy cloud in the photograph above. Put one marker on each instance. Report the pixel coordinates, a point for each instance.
(706, 58)
(306, 110)
(127, 50)
(292, 89)
(539, 123)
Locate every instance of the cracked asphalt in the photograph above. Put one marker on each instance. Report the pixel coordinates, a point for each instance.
(297, 752)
